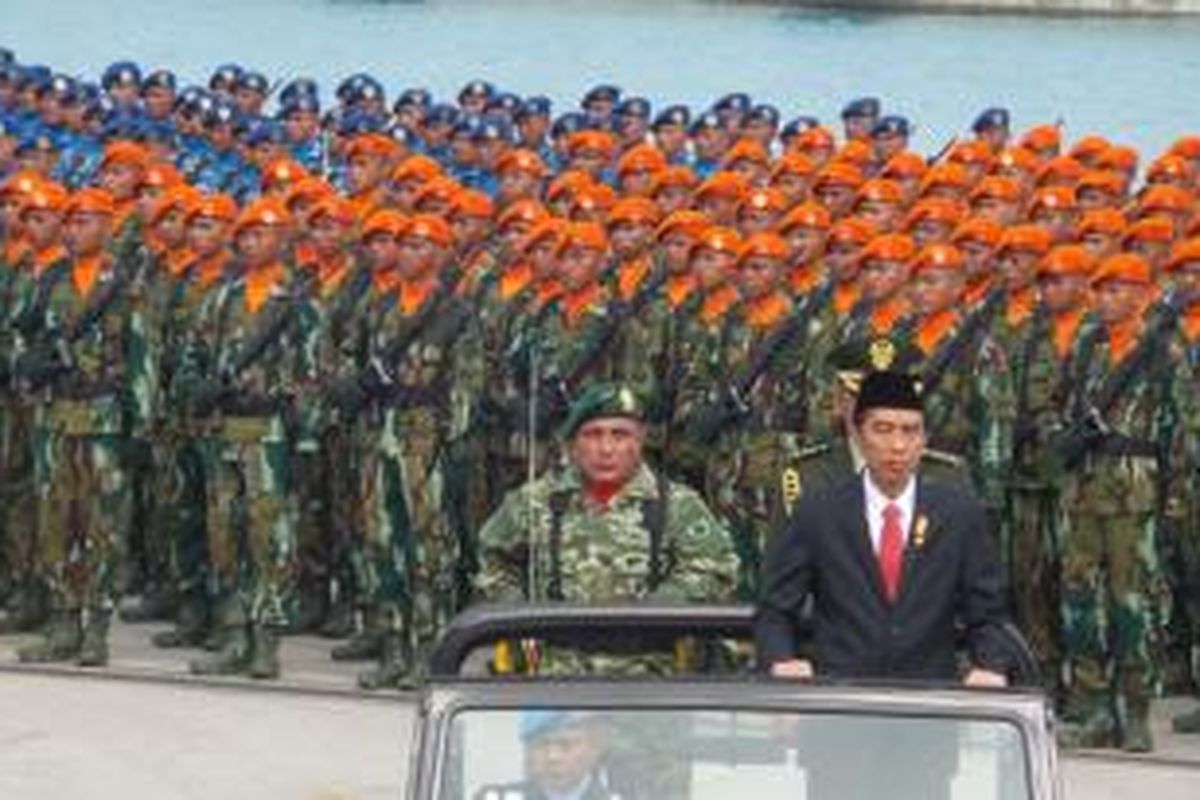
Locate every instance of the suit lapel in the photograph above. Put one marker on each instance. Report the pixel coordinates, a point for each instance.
(854, 523)
(919, 527)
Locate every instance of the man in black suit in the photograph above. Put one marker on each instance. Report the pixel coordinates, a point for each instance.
(892, 562)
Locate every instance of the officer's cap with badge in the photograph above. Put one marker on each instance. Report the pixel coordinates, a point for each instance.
(603, 400)
(854, 360)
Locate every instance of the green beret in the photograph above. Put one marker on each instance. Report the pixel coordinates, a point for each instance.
(603, 400)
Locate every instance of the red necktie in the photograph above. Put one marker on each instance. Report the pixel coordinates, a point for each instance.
(891, 548)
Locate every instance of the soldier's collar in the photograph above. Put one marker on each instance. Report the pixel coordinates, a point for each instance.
(641, 486)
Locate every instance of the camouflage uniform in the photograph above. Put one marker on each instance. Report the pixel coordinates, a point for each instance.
(83, 363)
(246, 369)
(1114, 595)
(582, 553)
(419, 389)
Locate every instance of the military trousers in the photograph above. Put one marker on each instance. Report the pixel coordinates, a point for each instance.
(179, 508)
(1114, 599)
(82, 517)
(1032, 561)
(251, 520)
(410, 549)
(18, 494)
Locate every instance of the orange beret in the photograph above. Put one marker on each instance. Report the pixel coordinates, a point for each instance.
(1186, 146)
(745, 150)
(1041, 137)
(1119, 158)
(596, 196)
(1061, 168)
(442, 188)
(1150, 229)
(675, 175)
(601, 141)
(938, 256)
(978, 229)
(1166, 197)
(720, 239)
(1103, 181)
(283, 172)
(641, 157)
(45, 195)
(760, 199)
(1187, 251)
(161, 175)
(416, 168)
(1170, 168)
(806, 215)
(723, 184)
(590, 235)
(21, 182)
(385, 220)
(569, 182)
(816, 138)
(881, 190)
(1127, 267)
(1053, 197)
(263, 211)
(473, 203)
(690, 222)
(998, 187)
(431, 227)
(793, 164)
(764, 243)
(336, 208)
(1017, 159)
(1102, 220)
(1026, 238)
(936, 209)
(1067, 259)
(975, 151)
(91, 201)
(855, 152)
(376, 144)
(525, 210)
(548, 228)
(905, 164)
(123, 151)
(181, 196)
(307, 189)
(840, 173)
(521, 160)
(635, 210)
(889, 247)
(214, 206)
(1090, 146)
(945, 174)
(852, 229)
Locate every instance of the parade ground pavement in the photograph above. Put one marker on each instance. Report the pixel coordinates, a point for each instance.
(140, 730)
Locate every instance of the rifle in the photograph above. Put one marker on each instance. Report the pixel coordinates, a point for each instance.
(731, 404)
(1088, 430)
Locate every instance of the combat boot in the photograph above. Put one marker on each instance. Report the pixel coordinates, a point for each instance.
(60, 641)
(1187, 723)
(191, 627)
(314, 605)
(232, 656)
(1135, 726)
(339, 622)
(264, 660)
(362, 646)
(28, 609)
(93, 651)
(1095, 731)
(156, 604)
(395, 665)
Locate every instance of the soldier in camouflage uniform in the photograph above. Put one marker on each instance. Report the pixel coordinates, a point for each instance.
(1041, 350)
(189, 270)
(249, 359)
(762, 384)
(83, 363)
(1121, 411)
(604, 527)
(416, 394)
(1183, 505)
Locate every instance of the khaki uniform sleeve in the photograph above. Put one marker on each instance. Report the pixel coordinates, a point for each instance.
(704, 565)
(503, 551)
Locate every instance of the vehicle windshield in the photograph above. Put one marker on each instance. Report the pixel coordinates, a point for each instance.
(668, 754)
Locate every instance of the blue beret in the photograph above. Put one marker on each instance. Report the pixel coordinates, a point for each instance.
(891, 125)
(121, 72)
(227, 74)
(467, 125)
(353, 123)
(638, 107)
(39, 140)
(674, 115)
(797, 126)
(158, 131)
(63, 87)
(536, 106)
(862, 107)
(505, 102)
(403, 135)
(421, 98)
(604, 91)
(442, 114)
(7, 56)
(37, 75)
(254, 81)
(709, 120)
(493, 127)
(263, 131)
(567, 124)
(159, 79)
(764, 112)
(222, 112)
(477, 88)
(738, 102)
(299, 103)
(299, 88)
(991, 118)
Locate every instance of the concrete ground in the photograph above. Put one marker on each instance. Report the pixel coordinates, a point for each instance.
(126, 732)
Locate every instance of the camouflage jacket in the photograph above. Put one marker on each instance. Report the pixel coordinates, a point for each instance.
(585, 553)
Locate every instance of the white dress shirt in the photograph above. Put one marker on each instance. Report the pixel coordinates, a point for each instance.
(877, 501)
